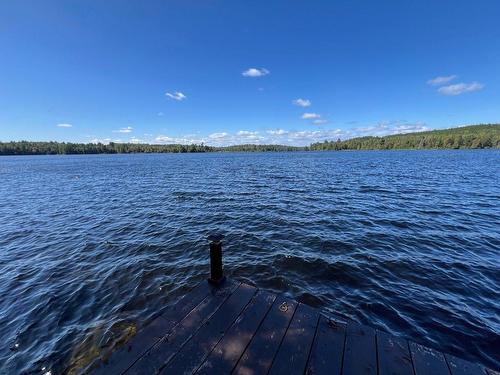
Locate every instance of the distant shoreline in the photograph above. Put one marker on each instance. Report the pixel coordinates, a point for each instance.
(467, 137)
(309, 151)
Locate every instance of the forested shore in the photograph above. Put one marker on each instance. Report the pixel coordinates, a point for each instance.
(63, 148)
(473, 137)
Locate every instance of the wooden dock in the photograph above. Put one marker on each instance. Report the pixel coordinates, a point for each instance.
(235, 328)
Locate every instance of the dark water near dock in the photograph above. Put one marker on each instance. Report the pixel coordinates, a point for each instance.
(92, 246)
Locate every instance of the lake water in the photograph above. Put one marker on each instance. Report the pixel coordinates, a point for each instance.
(92, 246)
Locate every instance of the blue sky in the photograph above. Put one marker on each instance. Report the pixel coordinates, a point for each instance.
(225, 72)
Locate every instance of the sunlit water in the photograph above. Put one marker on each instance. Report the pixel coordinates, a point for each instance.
(92, 246)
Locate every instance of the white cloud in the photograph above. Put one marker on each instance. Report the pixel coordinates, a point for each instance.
(302, 102)
(218, 135)
(460, 88)
(275, 136)
(455, 89)
(65, 125)
(277, 132)
(441, 80)
(309, 116)
(245, 136)
(303, 137)
(186, 140)
(240, 137)
(388, 128)
(319, 122)
(128, 129)
(293, 137)
(246, 133)
(166, 139)
(255, 72)
(177, 95)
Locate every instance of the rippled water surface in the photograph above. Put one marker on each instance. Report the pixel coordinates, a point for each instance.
(92, 246)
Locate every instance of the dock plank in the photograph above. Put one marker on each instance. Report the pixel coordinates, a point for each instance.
(259, 354)
(236, 328)
(154, 360)
(360, 350)
(394, 356)
(460, 366)
(192, 355)
(328, 348)
(427, 361)
(229, 350)
(146, 338)
(294, 351)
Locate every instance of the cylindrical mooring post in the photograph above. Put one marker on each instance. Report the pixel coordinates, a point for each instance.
(216, 273)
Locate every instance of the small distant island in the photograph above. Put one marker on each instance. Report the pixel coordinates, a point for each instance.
(466, 137)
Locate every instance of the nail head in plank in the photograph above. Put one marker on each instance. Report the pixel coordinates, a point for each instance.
(460, 366)
(328, 348)
(259, 354)
(156, 358)
(125, 356)
(427, 361)
(192, 355)
(360, 350)
(296, 345)
(394, 356)
(227, 352)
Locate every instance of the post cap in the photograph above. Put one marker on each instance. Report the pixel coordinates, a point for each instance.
(215, 237)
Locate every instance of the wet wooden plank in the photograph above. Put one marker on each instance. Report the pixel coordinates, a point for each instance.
(155, 359)
(229, 350)
(394, 356)
(294, 351)
(192, 355)
(146, 338)
(460, 366)
(427, 361)
(259, 354)
(215, 330)
(360, 350)
(328, 348)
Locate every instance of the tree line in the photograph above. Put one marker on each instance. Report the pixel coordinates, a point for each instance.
(63, 148)
(475, 136)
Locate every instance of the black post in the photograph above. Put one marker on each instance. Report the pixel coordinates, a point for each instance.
(216, 273)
